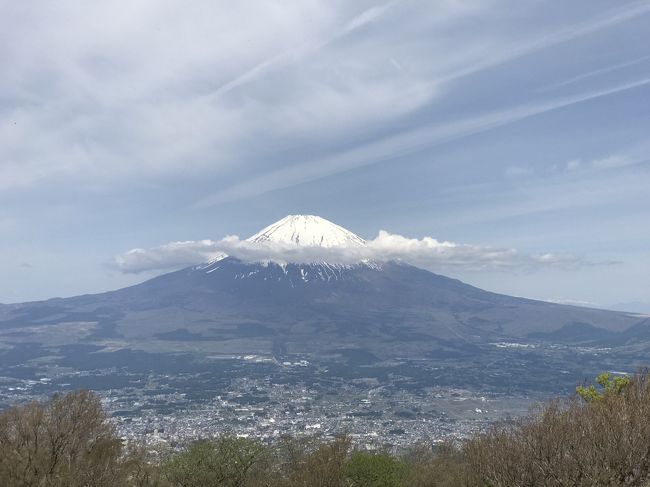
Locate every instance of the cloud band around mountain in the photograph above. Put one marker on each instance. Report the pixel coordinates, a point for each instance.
(426, 252)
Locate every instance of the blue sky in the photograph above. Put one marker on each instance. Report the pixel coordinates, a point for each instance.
(496, 124)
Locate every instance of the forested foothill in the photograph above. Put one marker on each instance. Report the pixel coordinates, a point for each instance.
(598, 437)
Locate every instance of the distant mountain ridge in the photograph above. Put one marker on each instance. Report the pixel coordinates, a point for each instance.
(633, 307)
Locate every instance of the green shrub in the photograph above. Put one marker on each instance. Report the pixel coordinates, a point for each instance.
(374, 470)
(225, 462)
(608, 385)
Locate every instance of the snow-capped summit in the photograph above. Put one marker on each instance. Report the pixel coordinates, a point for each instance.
(307, 230)
(301, 231)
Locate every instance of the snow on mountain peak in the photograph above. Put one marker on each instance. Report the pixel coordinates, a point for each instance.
(309, 231)
(297, 237)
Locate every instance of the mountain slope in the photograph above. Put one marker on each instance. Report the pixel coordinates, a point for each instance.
(389, 309)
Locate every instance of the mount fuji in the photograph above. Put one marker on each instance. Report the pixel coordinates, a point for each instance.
(364, 312)
(308, 230)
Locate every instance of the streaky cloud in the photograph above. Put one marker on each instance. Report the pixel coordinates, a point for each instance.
(400, 145)
(596, 72)
(295, 54)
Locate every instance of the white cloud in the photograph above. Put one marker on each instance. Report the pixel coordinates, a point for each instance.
(426, 252)
(596, 72)
(638, 154)
(168, 256)
(573, 302)
(112, 93)
(613, 161)
(574, 164)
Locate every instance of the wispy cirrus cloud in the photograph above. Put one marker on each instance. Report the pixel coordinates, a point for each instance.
(294, 55)
(81, 106)
(400, 145)
(426, 252)
(596, 72)
(634, 155)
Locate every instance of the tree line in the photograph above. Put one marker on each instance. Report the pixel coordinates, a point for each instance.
(598, 437)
